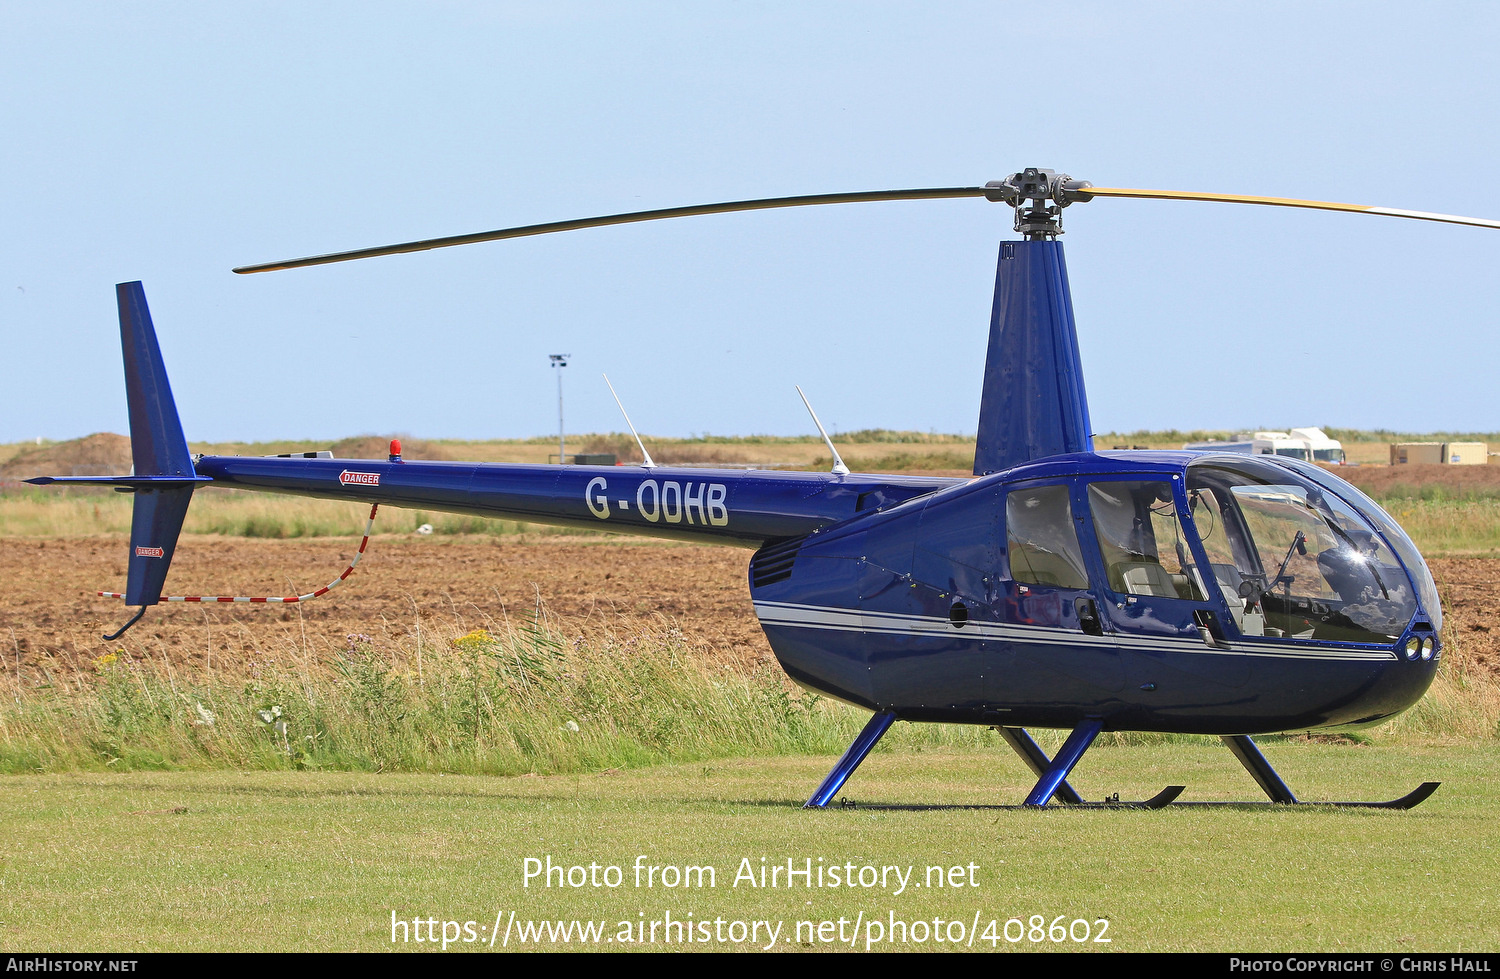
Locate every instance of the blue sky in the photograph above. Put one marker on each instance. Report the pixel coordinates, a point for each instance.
(170, 142)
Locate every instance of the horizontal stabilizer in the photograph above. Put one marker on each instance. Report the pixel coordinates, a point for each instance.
(126, 481)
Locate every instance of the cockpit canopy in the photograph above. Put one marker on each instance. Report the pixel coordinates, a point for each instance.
(1280, 537)
(1292, 550)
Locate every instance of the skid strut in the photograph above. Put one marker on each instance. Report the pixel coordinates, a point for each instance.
(1037, 761)
(1255, 763)
(873, 731)
(1052, 774)
(1067, 756)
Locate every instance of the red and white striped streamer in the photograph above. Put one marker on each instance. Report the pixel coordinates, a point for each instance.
(286, 600)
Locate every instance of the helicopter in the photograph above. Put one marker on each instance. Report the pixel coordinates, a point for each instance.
(1188, 592)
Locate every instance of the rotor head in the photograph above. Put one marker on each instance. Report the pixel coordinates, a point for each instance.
(1038, 196)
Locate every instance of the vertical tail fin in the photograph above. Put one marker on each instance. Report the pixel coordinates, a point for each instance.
(157, 444)
(158, 449)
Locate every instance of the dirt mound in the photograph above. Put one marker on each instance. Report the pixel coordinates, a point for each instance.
(378, 447)
(100, 454)
(1411, 479)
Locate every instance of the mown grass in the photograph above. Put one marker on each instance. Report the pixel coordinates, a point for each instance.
(271, 861)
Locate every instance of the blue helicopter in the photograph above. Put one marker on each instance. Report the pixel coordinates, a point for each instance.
(1059, 587)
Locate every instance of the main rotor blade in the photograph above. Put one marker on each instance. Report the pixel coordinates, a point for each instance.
(1187, 195)
(630, 218)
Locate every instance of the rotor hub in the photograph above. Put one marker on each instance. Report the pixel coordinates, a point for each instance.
(1038, 196)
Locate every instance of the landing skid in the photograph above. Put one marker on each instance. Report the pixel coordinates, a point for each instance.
(1052, 776)
(1161, 800)
(1410, 800)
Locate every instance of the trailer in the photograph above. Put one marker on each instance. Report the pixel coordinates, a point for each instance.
(1307, 444)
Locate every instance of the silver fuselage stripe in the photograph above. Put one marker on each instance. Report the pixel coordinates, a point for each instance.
(788, 615)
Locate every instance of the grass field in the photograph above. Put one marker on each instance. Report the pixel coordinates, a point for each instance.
(299, 808)
(313, 861)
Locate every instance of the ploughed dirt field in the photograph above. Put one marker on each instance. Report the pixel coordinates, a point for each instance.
(445, 586)
(1457, 480)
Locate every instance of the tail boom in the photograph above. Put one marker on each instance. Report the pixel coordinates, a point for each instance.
(739, 507)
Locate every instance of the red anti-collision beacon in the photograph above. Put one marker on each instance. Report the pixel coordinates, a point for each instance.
(395, 450)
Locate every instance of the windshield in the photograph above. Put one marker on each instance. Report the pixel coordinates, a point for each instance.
(1307, 561)
(1410, 556)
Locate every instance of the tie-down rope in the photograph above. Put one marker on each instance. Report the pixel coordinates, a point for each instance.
(287, 600)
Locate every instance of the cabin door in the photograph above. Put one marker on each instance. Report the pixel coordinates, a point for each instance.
(1154, 600)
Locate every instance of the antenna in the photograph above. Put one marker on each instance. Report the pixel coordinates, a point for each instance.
(644, 454)
(839, 469)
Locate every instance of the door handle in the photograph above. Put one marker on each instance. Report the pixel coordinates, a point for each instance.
(1209, 629)
(1088, 616)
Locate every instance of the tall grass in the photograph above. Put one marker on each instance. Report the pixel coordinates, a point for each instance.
(1397, 493)
(1444, 527)
(233, 513)
(503, 701)
(903, 461)
(1463, 703)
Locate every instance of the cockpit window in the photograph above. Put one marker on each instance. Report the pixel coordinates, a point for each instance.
(1372, 512)
(1042, 541)
(1307, 562)
(1140, 540)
